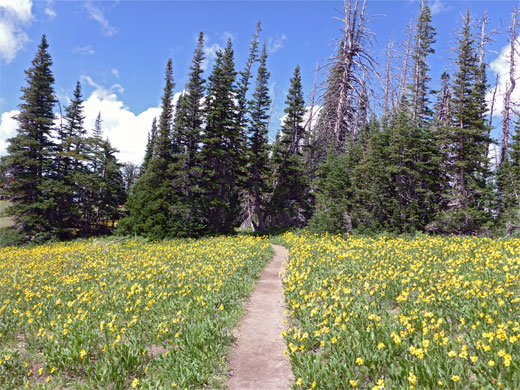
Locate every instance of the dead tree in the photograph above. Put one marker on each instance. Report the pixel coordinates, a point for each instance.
(443, 108)
(347, 78)
(510, 86)
(404, 73)
(387, 85)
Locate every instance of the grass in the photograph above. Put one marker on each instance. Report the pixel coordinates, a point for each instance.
(4, 221)
(403, 313)
(123, 314)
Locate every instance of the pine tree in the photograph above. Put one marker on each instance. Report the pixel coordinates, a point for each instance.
(222, 146)
(112, 192)
(150, 145)
(151, 197)
(258, 144)
(289, 206)
(29, 158)
(130, 174)
(245, 77)
(508, 178)
(418, 90)
(188, 127)
(70, 166)
(465, 144)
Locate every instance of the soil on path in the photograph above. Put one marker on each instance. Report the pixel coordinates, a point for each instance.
(258, 362)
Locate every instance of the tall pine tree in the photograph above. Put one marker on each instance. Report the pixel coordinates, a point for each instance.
(71, 155)
(465, 144)
(257, 180)
(150, 145)
(289, 206)
(222, 147)
(151, 199)
(188, 126)
(29, 160)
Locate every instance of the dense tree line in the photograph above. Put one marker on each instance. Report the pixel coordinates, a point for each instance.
(422, 163)
(422, 166)
(63, 183)
(208, 165)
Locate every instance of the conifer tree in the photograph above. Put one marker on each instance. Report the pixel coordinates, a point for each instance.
(258, 144)
(151, 197)
(29, 160)
(289, 204)
(71, 168)
(419, 90)
(508, 178)
(188, 128)
(112, 192)
(245, 77)
(466, 143)
(222, 146)
(150, 144)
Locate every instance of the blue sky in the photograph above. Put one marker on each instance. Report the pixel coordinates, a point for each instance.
(118, 49)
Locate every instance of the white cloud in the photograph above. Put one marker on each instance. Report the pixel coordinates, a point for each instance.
(126, 130)
(275, 44)
(15, 15)
(8, 126)
(500, 67)
(87, 50)
(49, 10)
(226, 35)
(210, 53)
(439, 6)
(115, 72)
(97, 14)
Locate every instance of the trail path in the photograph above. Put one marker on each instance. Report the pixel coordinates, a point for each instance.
(258, 362)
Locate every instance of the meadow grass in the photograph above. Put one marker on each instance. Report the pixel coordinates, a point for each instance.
(4, 221)
(124, 314)
(403, 313)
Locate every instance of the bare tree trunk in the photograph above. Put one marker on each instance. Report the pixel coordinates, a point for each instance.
(404, 73)
(491, 109)
(416, 73)
(510, 86)
(389, 47)
(308, 125)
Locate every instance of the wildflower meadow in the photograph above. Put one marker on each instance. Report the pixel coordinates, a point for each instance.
(123, 314)
(397, 313)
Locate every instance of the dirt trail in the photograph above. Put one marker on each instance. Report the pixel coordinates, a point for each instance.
(258, 362)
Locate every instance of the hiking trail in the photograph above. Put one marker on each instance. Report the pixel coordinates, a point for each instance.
(257, 361)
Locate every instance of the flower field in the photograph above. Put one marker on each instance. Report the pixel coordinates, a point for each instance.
(121, 315)
(395, 313)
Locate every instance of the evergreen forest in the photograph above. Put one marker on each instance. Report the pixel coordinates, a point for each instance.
(370, 149)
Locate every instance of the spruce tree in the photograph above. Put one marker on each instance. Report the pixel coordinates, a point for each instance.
(289, 205)
(70, 164)
(258, 143)
(188, 128)
(508, 178)
(151, 197)
(245, 77)
(465, 144)
(29, 158)
(112, 192)
(222, 149)
(419, 90)
(150, 144)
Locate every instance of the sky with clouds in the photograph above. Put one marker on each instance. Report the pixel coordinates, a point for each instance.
(118, 49)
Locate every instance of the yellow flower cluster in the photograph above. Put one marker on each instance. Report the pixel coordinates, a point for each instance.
(404, 313)
(123, 313)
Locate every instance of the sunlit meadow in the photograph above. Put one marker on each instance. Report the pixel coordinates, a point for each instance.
(396, 313)
(123, 314)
